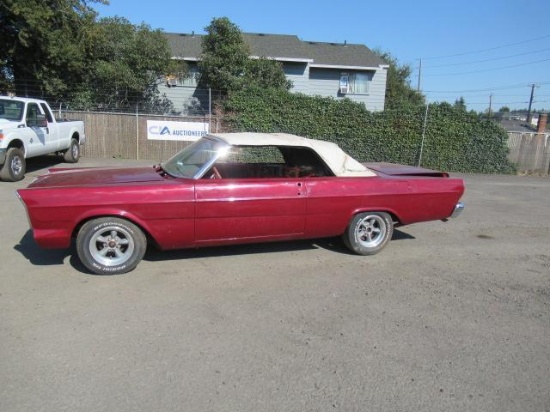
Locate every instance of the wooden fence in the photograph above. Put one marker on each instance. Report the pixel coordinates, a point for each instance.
(530, 152)
(118, 135)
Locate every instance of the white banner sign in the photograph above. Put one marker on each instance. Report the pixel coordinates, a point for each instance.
(165, 130)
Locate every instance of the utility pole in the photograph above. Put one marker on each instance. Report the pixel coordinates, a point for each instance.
(419, 75)
(490, 105)
(529, 115)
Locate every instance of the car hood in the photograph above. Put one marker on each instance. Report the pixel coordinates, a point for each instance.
(6, 124)
(98, 176)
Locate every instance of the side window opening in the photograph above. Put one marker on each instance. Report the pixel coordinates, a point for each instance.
(251, 162)
(49, 116)
(270, 161)
(32, 113)
(305, 162)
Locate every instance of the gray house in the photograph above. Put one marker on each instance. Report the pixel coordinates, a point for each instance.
(338, 70)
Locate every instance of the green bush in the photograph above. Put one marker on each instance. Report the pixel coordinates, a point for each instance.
(455, 140)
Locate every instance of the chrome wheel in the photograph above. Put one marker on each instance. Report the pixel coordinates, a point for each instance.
(368, 232)
(14, 166)
(75, 149)
(112, 246)
(72, 154)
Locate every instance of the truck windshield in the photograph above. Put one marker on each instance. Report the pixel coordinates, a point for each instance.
(11, 109)
(194, 159)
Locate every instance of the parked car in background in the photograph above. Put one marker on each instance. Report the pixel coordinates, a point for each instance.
(233, 188)
(28, 128)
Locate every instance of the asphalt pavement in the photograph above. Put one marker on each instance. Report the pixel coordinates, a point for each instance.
(449, 317)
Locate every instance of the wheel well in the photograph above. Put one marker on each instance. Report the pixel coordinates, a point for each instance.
(84, 221)
(17, 144)
(76, 137)
(394, 217)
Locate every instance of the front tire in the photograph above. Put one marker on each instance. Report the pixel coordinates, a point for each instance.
(14, 167)
(72, 154)
(110, 246)
(368, 233)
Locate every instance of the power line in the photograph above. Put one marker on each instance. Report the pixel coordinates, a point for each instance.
(495, 103)
(485, 50)
(487, 70)
(488, 60)
(490, 89)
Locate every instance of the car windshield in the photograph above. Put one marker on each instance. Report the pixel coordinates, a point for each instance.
(195, 159)
(11, 109)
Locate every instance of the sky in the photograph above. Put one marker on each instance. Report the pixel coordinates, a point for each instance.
(492, 53)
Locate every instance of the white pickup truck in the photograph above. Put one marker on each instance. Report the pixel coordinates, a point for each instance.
(28, 128)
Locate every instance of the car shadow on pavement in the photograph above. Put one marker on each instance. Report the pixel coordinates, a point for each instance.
(43, 163)
(38, 256)
(45, 257)
(155, 255)
(334, 244)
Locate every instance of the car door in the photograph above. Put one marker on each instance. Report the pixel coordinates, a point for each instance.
(37, 136)
(235, 210)
(53, 137)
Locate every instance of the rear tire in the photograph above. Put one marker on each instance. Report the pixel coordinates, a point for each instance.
(110, 246)
(14, 167)
(368, 233)
(72, 154)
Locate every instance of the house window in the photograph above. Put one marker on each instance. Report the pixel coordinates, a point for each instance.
(359, 83)
(191, 79)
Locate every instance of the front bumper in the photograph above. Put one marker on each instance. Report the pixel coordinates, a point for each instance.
(3, 156)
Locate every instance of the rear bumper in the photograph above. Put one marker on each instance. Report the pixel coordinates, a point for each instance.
(459, 207)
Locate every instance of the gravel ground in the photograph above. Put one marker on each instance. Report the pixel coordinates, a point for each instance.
(449, 317)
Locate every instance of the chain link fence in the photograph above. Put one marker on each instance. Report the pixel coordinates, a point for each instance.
(121, 127)
(127, 136)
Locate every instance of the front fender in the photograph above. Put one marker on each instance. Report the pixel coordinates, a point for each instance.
(106, 212)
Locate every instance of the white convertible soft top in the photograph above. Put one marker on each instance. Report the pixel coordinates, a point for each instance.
(339, 161)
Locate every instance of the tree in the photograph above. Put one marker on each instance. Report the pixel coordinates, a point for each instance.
(266, 73)
(224, 57)
(127, 62)
(43, 47)
(460, 104)
(58, 50)
(399, 93)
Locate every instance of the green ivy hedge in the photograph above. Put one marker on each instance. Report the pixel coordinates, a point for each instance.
(455, 140)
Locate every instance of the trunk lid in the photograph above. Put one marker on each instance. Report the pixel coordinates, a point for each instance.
(394, 169)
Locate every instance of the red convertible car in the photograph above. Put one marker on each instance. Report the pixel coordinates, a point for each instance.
(233, 188)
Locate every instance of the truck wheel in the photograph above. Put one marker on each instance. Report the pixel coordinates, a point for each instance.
(110, 246)
(14, 167)
(368, 233)
(72, 154)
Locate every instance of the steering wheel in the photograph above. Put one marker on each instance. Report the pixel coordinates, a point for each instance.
(215, 173)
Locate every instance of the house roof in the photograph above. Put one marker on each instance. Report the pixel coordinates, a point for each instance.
(512, 125)
(285, 47)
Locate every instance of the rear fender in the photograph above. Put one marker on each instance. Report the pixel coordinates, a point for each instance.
(393, 213)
